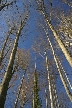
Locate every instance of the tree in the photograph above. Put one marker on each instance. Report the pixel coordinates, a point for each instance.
(48, 26)
(61, 76)
(61, 45)
(36, 100)
(9, 72)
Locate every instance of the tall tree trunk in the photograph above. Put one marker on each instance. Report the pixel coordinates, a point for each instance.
(9, 73)
(50, 89)
(4, 45)
(61, 45)
(36, 100)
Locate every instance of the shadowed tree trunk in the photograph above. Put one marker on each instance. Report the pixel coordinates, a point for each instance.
(36, 100)
(52, 88)
(4, 45)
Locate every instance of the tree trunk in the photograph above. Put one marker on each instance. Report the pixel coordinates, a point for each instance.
(61, 45)
(36, 100)
(50, 89)
(60, 72)
(4, 45)
(8, 74)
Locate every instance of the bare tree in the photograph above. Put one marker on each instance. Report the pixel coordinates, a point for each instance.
(9, 72)
(63, 48)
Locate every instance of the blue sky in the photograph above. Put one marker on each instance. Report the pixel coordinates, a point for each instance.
(31, 34)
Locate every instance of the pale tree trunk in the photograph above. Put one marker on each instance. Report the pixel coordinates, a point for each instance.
(61, 45)
(9, 70)
(60, 71)
(4, 45)
(64, 73)
(52, 89)
(49, 83)
(63, 81)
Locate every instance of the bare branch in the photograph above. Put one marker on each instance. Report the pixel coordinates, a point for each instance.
(2, 6)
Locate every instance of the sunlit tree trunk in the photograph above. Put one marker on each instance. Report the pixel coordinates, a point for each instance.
(61, 45)
(60, 72)
(9, 70)
(64, 50)
(49, 83)
(52, 89)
